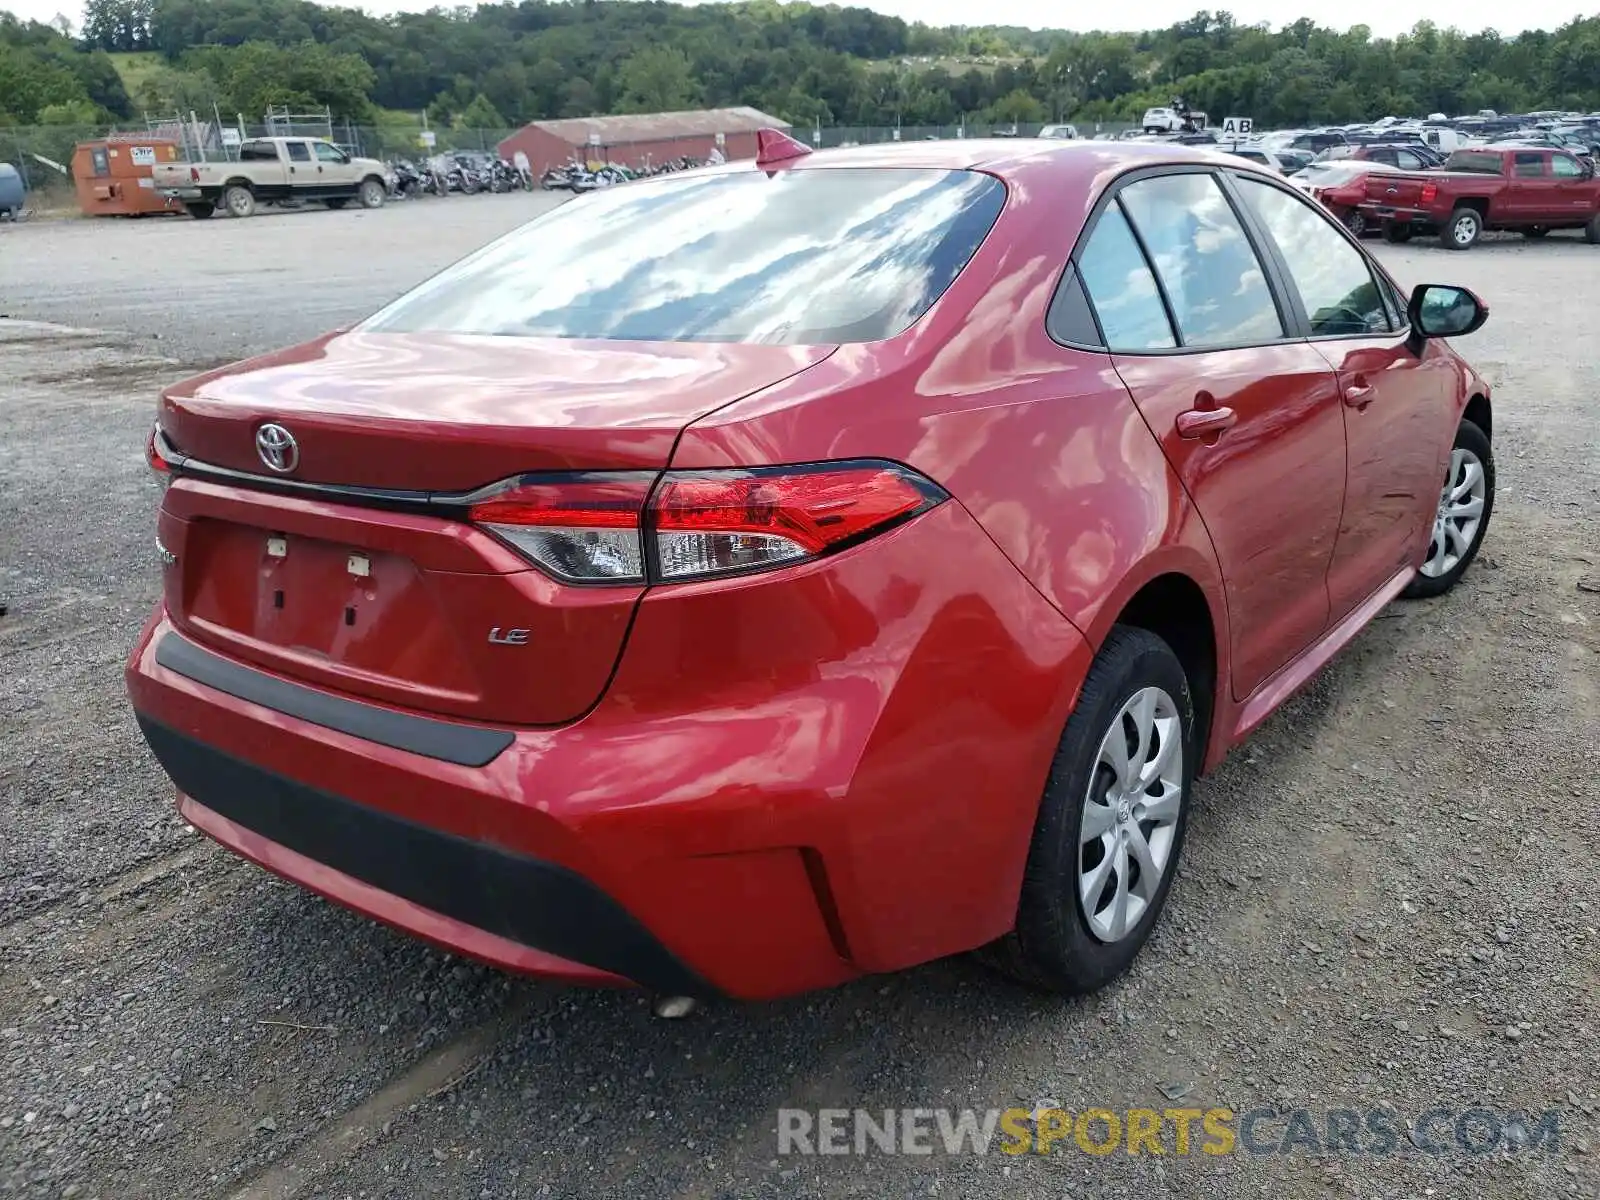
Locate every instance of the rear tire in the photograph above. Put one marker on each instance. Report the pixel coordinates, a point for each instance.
(1067, 937)
(1591, 231)
(371, 193)
(1462, 230)
(337, 202)
(1457, 535)
(1356, 222)
(239, 200)
(1396, 232)
(200, 210)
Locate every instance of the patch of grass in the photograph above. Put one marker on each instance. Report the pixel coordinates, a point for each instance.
(135, 66)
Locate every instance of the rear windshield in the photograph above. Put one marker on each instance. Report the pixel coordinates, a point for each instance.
(1477, 161)
(826, 255)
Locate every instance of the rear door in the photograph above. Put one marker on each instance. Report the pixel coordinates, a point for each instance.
(1397, 404)
(302, 167)
(269, 169)
(1530, 196)
(1245, 410)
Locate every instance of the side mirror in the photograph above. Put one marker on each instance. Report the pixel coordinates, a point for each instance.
(1440, 311)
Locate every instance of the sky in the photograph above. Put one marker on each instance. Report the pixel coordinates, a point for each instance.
(1384, 20)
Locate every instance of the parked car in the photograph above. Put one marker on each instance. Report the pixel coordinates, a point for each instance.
(1340, 187)
(1069, 132)
(1329, 143)
(1403, 157)
(1264, 158)
(1161, 120)
(273, 170)
(1531, 189)
(11, 192)
(813, 568)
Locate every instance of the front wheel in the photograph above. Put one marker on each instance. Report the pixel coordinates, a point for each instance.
(1591, 231)
(1462, 230)
(1111, 824)
(1459, 523)
(371, 193)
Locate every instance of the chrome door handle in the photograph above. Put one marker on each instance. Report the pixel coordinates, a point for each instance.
(1205, 422)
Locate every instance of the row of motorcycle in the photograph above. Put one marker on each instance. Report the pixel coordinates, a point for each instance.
(469, 174)
(461, 173)
(581, 177)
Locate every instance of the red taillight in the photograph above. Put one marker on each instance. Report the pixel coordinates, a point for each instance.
(596, 528)
(579, 529)
(1430, 191)
(715, 522)
(153, 456)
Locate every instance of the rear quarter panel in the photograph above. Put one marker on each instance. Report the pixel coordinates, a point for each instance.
(1041, 443)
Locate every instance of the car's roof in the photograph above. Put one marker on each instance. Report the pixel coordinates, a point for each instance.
(1006, 156)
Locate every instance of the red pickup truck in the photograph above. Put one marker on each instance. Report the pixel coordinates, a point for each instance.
(1532, 189)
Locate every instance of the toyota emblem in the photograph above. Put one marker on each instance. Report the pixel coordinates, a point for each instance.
(277, 448)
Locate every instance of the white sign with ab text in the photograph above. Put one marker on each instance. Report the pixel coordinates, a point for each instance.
(1238, 127)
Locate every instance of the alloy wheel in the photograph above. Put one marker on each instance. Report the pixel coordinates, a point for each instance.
(1465, 229)
(1130, 814)
(1460, 515)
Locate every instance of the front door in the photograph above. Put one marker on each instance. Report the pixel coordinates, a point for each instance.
(1248, 416)
(1396, 402)
(334, 172)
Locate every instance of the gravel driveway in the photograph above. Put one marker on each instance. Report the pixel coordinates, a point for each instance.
(1389, 898)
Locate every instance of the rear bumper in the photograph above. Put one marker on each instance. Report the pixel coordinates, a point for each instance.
(792, 780)
(494, 904)
(182, 193)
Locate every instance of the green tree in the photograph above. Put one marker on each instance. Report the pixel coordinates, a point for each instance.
(1017, 106)
(480, 114)
(657, 79)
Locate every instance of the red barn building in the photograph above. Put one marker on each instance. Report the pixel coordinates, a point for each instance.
(637, 140)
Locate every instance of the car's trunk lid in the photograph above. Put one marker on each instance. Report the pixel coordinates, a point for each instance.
(449, 412)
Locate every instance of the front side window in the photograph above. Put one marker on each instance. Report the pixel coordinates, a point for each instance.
(1213, 280)
(1121, 287)
(1408, 161)
(799, 256)
(298, 152)
(1563, 166)
(328, 153)
(1335, 284)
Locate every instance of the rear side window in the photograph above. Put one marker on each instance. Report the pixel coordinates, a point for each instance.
(1335, 284)
(1121, 287)
(800, 256)
(298, 151)
(258, 152)
(1528, 166)
(1212, 278)
(1479, 162)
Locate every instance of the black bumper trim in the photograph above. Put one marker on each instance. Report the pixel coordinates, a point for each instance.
(525, 900)
(447, 741)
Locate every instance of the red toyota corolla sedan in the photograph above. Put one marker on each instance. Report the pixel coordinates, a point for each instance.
(742, 581)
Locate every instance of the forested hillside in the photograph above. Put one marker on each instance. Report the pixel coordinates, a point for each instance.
(503, 64)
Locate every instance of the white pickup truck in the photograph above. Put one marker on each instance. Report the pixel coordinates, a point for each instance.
(273, 169)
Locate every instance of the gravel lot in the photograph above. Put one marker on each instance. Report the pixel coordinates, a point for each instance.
(1389, 896)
